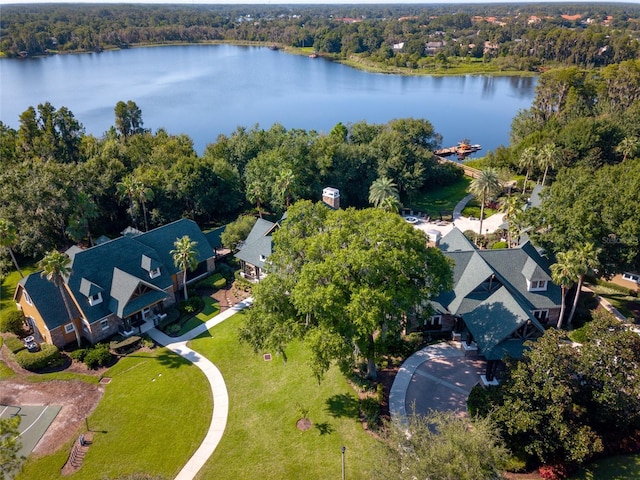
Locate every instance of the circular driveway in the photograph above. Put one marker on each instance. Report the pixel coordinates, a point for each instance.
(438, 377)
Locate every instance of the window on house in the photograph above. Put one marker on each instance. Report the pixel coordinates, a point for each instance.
(433, 321)
(154, 273)
(68, 328)
(104, 324)
(27, 298)
(538, 286)
(95, 299)
(627, 276)
(541, 315)
(262, 258)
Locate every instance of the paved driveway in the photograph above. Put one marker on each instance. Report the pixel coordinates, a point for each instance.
(438, 377)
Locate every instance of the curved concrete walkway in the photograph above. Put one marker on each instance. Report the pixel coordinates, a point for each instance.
(218, 387)
(438, 377)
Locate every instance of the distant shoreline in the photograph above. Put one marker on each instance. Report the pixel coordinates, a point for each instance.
(355, 62)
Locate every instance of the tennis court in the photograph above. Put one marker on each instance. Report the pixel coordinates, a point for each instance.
(34, 422)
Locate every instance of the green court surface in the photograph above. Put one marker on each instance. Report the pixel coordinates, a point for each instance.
(34, 421)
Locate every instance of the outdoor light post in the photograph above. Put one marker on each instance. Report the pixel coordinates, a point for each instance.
(342, 450)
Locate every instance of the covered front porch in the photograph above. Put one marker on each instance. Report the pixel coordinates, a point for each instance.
(251, 272)
(143, 320)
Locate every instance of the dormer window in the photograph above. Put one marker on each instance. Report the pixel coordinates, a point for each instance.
(537, 286)
(155, 273)
(263, 258)
(95, 299)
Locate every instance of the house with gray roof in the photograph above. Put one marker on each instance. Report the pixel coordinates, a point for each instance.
(113, 287)
(255, 249)
(500, 299)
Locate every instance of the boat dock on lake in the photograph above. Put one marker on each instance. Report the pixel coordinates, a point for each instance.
(462, 150)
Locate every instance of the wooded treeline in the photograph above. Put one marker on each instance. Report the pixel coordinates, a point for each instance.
(60, 185)
(522, 37)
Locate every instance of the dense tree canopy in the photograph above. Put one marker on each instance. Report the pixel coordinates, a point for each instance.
(441, 446)
(344, 280)
(565, 402)
(601, 207)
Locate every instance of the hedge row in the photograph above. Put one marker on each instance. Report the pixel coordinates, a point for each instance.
(48, 355)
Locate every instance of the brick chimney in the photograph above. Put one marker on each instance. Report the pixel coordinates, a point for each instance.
(331, 196)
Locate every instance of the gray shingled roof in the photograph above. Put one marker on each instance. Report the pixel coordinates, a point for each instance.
(532, 271)
(455, 241)
(258, 245)
(124, 285)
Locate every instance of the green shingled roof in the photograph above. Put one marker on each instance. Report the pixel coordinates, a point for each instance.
(89, 289)
(493, 310)
(162, 240)
(47, 300)
(213, 237)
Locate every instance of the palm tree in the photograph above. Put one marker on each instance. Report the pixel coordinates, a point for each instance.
(55, 266)
(511, 207)
(143, 194)
(185, 257)
(8, 238)
(485, 185)
(391, 204)
(586, 258)
(255, 194)
(563, 274)
(128, 188)
(381, 189)
(628, 147)
(285, 182)
(528, 159)
(548, 157)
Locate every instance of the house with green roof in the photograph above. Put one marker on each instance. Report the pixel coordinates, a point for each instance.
(501, 298)
(116, 286)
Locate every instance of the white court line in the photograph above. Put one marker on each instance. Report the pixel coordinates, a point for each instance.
(5, 409)
(35, 421)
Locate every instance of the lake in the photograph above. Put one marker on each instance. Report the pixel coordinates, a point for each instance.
(207, 90)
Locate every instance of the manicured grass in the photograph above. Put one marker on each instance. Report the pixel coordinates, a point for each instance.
(473, 210)
(8, 288)
(211, 309)
(615, 297)
(622, 467)
(265, 397)
(153, 416)
(441, 199)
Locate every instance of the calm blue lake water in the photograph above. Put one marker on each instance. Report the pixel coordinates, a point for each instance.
(204, 91)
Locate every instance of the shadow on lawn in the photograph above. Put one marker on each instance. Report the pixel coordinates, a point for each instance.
(343, 405)
(324, 428)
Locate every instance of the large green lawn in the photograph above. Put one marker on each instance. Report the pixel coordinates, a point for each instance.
(8, 288)
(153, 416)
(441, 200)
(261, 439)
